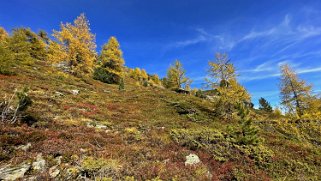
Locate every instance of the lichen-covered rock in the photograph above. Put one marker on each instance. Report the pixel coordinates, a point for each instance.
(39, 164)
(9, 172)
(192, 159)
(54, 172)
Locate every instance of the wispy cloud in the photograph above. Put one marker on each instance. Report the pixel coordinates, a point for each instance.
(276, 73)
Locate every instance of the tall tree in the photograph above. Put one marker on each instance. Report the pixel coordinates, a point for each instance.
(79, 44)
(111, 61)
(295, 93)
(222, 78)
(176, 77)
(265, 105)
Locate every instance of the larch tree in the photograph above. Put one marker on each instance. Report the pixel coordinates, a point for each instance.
(295, 93)
(221, 71)
(154, 79)
(26, 45)
(111, 62)
(3, 34)
(144, 75)
(176, 77)
(78, 43)
(223, 79)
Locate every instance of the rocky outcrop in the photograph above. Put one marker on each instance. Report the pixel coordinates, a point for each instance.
(9, 172)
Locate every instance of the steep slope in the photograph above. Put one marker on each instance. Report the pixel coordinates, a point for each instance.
(83, 128)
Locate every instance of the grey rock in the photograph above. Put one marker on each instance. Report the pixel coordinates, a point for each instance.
(192, 159)
(39, 164)
(13, 173)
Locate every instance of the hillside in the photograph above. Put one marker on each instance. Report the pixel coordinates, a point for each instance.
(82, 128)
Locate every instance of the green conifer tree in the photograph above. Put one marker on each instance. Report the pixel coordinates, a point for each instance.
(248, 133)
(111, 63)
(265, 105)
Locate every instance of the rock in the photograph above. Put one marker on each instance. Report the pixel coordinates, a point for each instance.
(100, 126)
(192, 159)
(24, 147)
(14, 173)
(58, 160)
(95, 125)
(75, 92)
(54, 172)
(39, 164)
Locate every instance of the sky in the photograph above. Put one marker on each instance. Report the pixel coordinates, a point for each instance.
(258, 36)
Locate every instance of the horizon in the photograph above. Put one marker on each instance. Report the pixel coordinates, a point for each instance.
(257, 37)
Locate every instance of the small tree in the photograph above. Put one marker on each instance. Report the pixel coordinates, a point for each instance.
(247, 134)
(11, 113)
(176, 77)
(223, 80)
(295, 93)
(265, 105)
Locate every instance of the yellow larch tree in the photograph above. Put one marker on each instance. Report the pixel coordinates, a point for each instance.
(78, 43)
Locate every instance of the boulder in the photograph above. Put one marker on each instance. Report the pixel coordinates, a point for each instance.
(9, 172)
(192, 159)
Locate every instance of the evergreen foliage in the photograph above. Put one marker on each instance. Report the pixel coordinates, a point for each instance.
(247, 133)
(111, 63)
(265, 105)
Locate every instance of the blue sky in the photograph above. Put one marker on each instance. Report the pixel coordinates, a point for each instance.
(258, 35)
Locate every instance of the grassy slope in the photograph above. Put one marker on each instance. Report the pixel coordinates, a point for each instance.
(140, 121)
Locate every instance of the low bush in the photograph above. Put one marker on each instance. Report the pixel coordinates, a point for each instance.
(13, 110)
(222, 146)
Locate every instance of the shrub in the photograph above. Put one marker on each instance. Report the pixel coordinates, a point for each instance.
(11, 113)
(99, 166)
